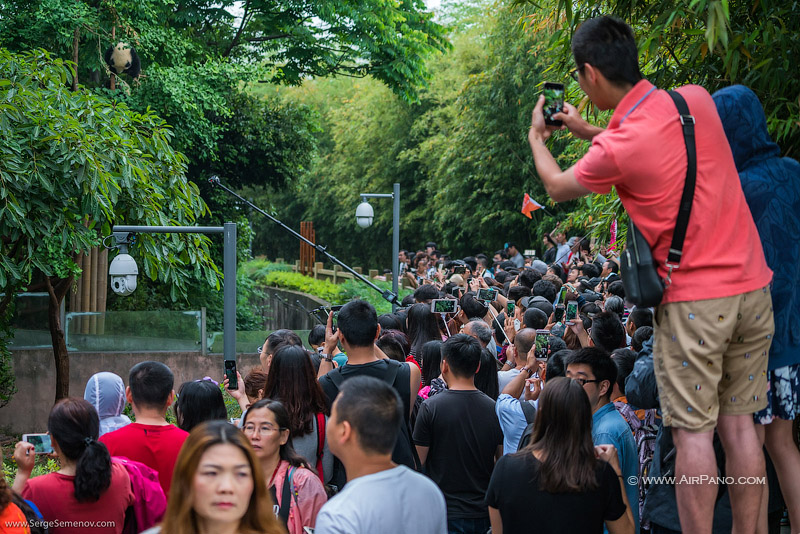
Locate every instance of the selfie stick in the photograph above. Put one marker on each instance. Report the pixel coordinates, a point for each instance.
(502, 329)
(388, 295)
(444, 320)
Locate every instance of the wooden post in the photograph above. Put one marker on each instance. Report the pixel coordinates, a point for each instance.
(102, 290)
(317, 269)
(93, 257)
(358, 270)
(336, 269)
(373, 273)
(86, 291)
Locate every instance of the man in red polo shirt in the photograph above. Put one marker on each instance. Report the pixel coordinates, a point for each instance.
(150, 440)
(714, 325)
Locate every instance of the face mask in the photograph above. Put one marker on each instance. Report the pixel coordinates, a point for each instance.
(517, 325)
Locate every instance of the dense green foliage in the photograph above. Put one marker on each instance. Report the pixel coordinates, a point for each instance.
(72, 164)
(460, 154)
(263, 273)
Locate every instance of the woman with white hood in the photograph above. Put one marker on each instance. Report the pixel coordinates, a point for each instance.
(106, 392)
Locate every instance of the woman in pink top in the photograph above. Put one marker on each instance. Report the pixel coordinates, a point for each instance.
(266, 424)
(88, 489)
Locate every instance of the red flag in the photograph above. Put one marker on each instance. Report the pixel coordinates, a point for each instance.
(529, 205)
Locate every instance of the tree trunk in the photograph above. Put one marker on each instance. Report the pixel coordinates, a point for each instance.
(57, 293)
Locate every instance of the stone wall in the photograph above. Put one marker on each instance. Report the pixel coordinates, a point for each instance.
(36, 379)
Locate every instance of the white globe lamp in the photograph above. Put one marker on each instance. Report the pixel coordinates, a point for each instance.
(364, 214)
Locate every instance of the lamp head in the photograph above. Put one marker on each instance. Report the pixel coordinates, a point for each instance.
(364, 214)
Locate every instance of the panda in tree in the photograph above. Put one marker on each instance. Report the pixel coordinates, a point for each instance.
(123, 58)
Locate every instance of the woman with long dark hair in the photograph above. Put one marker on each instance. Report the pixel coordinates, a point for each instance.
(296, 489)
(560, 478)
(423, 326)
(88, 487)
(292, 381)
(199, 401)
(218, 486)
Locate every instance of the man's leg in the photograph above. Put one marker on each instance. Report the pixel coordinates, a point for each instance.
(762, 527)
(744, 459)
(786, 458)
(694, 459)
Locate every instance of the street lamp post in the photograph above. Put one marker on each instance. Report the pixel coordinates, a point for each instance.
(364, 216)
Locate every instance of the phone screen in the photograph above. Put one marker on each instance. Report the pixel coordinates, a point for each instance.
(559, 313)
(562, 295)
(510, 308)
(230, 374)
(444, 305)
(459, 269)
(553, 102)
(487, 294)
(41, 443)
(571, 311)
(542, 344)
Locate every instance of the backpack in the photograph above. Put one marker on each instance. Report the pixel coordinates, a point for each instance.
(644, 434)
(320, 445)
(150, 502)
(530, 415)
(404, 451)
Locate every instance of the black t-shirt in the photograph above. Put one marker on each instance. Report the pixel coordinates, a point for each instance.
(524, 507)
(404, 452)
(463, 433)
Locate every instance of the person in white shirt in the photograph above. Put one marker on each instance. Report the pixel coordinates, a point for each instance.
(380, 496)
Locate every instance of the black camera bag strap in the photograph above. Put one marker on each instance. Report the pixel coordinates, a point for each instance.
(687, 198)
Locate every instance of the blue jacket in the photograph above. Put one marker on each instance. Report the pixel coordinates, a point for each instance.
(771, 186)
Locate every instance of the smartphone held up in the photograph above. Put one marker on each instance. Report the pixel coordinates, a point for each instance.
(553, 102)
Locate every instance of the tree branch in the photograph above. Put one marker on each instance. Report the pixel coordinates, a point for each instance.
(235, 40)
(268, 37)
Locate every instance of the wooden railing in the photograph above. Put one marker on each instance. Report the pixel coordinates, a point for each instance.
(337, 275)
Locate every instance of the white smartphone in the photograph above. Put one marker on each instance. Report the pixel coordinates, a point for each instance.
(41, 443)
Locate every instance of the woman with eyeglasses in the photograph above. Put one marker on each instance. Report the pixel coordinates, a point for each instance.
(295, 488)
(560, 473)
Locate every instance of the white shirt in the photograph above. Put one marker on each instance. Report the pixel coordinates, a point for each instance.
(562, 254)
(395, 501)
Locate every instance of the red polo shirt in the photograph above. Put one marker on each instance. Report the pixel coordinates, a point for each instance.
(644, 156)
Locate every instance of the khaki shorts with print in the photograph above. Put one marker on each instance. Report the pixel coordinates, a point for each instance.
(710, 358)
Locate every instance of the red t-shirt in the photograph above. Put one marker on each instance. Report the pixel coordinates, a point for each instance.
(54, 495)
(156, 447)
(645, 158)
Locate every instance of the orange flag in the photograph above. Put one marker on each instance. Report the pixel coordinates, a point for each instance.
(529, 205)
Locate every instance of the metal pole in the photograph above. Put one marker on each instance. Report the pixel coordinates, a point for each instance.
(229, 293)
(395, 244)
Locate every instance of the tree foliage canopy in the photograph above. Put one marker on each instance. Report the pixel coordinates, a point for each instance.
(72, 164)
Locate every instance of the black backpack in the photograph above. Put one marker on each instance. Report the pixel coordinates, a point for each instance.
(530, 415)
(404, 451)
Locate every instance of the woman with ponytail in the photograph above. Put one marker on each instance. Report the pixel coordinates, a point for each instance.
(88, 488)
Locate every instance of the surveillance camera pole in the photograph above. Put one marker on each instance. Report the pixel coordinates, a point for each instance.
(388, 295)
(228, 269)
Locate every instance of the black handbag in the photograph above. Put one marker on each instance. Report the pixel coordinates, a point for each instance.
(643, 286)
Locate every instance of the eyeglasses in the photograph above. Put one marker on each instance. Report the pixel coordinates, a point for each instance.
(263, 430)
(584, 381)
(574, 72)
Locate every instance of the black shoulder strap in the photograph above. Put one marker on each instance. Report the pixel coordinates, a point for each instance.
(286, 498)
(687, 120)
(528, 410)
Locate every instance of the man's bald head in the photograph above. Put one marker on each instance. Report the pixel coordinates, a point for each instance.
(524, 341)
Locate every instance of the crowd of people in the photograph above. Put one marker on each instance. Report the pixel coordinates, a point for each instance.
(507, 394)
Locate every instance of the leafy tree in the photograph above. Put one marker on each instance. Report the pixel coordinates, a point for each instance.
(72, 164)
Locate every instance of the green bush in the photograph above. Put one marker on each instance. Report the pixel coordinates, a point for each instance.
(272, 274)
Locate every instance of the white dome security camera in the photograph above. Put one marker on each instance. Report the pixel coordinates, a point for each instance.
(364, 214)
(123, 272)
